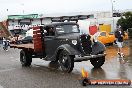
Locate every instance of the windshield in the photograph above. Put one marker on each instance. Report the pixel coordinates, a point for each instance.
(63, 29)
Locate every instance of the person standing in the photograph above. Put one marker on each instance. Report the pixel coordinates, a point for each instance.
(5, 44)
(119, 40)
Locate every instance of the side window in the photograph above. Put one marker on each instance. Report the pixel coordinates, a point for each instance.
(49, 31)
(103, 34)
(74, 28)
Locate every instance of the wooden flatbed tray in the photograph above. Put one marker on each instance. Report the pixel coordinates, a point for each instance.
(22, 46)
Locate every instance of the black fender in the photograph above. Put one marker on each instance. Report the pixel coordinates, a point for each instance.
(69, 49)
(98, 47)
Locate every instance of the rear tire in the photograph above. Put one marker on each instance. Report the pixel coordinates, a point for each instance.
(66, 61)
(25, 58)
(97, 62)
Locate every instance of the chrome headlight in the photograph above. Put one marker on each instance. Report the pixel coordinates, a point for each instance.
(74, 42)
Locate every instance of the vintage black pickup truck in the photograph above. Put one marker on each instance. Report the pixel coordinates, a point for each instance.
(62, 42)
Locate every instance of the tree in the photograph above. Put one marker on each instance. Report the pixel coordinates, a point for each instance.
(125, 21)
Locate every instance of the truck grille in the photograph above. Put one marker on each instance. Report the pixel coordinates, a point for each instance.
(86, 43)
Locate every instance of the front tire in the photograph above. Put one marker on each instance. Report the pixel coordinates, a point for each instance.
(66, 61)
(97, 62)
(25, 58)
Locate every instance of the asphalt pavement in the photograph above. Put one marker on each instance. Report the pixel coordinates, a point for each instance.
(44, 74)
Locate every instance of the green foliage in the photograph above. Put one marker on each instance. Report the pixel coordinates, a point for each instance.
(125, 21)
(130, 32)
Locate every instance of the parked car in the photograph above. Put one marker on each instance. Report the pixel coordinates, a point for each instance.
(106, 38)
(109, 38)
(27, 39)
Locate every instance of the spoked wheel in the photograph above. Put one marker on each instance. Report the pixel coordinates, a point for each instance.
(25, 58)
(66, 62)
(97, 62)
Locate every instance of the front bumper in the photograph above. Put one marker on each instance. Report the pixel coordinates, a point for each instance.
(85, 58)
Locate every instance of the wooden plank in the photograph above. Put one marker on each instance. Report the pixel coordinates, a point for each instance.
(22, 46)
(37, 35)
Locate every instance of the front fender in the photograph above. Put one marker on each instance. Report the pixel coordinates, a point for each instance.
(98, 47)
(69, 49)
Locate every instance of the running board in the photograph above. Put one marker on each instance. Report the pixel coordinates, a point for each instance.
(85, 58)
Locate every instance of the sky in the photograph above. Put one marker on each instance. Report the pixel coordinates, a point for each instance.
(14, 7)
